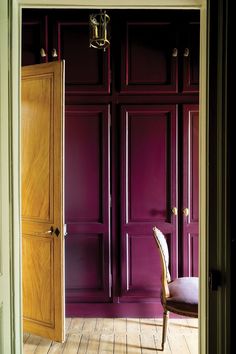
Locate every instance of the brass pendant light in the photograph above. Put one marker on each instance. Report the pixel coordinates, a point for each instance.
(99, 30)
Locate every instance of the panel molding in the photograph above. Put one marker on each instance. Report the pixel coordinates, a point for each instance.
(142, 112)
(131, 86)
(190, 197)
(38, 26)
(191, 159)
(50, 322)
(100, 113)
(191, 71)
(131, 291)
(97, 225)
(101, 84)
(42, 201)
(193, 255)
(90, 292)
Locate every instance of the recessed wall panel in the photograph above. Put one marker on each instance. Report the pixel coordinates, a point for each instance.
(194, 166)
(37, 120)
(84, 165)
(148, 64)
(84, 269)
(38, 290)
(149, 163)
(87, 69)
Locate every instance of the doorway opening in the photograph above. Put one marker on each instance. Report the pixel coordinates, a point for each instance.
(129, 112)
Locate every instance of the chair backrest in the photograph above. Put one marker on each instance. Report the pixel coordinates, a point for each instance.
(164, 253)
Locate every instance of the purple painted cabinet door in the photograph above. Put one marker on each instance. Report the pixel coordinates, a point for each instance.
(190, 207)
(34, 38)
(87, 194)
(148, 194)
(191, 56)
(87, 71)
(149, 56)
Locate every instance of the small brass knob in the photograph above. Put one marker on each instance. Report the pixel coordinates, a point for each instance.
(174, 52)
(174, 211)
(42, 53)
(54, 53)
(186, 52)
(186, 211)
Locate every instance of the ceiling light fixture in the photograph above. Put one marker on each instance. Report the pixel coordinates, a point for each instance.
(99, 30)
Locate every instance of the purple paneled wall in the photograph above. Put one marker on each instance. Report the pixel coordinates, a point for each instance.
(131, 152)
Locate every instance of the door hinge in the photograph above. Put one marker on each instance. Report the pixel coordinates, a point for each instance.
(215, 280)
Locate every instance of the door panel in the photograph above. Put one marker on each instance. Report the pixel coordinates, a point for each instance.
(87, 70)
(87, 203)
(34, 37)
(37, 175)
(38, 257)
(148, 65)
(190, 189)
(191, 57)
(148, 192)
(42, 199)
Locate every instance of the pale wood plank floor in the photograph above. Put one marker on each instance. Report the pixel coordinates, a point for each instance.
(119, 336)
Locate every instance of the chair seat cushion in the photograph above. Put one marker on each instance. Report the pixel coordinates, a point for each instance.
(183, 296)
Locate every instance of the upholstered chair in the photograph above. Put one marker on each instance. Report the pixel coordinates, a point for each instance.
(179, 295)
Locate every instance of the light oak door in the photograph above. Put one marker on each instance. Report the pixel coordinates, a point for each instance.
(42, 106)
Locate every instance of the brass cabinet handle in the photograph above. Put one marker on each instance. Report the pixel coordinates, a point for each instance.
(186, 52)
(185, 211)
(42, 53)
(54, 53)
(174, 211)
(174, 52)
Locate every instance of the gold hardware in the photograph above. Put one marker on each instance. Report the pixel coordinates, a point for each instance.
(185, 211)
(46, 232)
(174, 211)
(42, 53)
(54, 53)
(186, 52)
(99, 31)
(174, 52)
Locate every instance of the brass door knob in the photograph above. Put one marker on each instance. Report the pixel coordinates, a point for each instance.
(185, 211)
(174, 211)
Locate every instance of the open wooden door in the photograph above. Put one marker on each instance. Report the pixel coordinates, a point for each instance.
(42, 106)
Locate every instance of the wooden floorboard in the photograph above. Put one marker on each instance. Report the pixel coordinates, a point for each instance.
(119, 336)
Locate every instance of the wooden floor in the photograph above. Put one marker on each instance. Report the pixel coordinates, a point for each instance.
(119, 336)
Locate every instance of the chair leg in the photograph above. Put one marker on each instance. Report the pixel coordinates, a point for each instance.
(164, 328)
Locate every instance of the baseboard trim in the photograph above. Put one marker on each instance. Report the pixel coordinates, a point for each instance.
(136, 310)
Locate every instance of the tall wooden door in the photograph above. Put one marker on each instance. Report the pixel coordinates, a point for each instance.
(42, 199)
